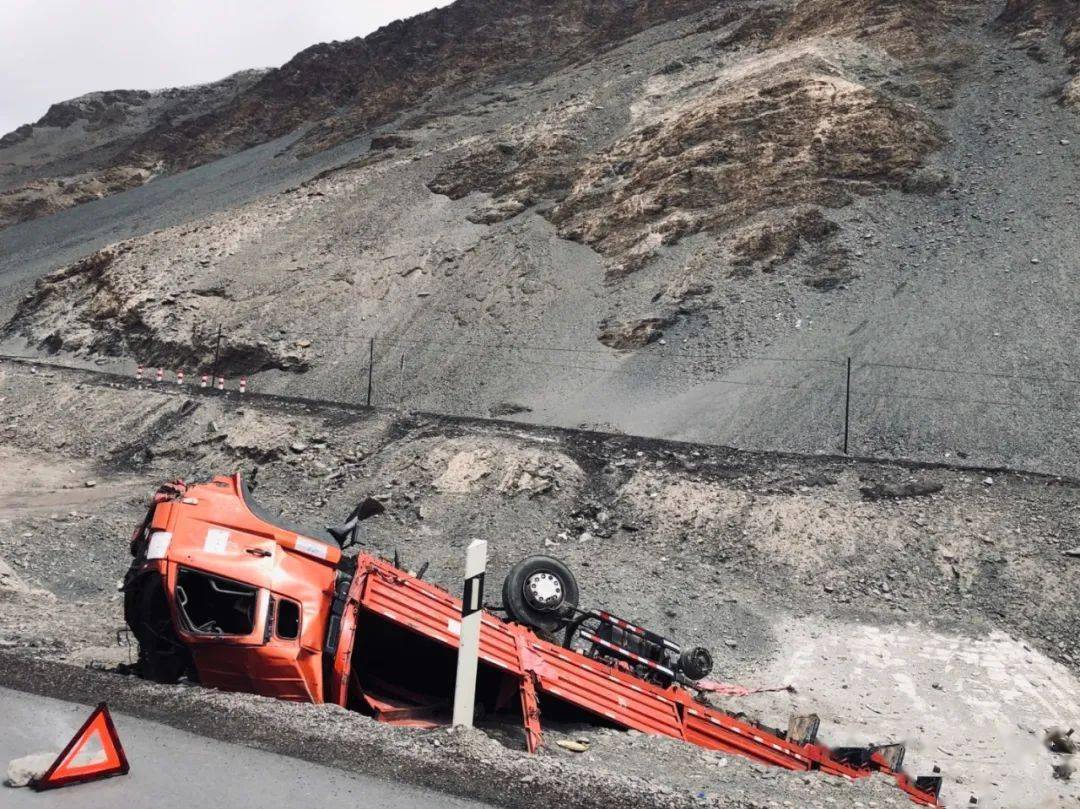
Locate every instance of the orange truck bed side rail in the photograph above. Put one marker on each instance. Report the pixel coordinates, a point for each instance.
(603, 690)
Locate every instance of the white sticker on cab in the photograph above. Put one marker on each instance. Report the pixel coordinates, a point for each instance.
(311, 547)
(159, 545)
(217, 541)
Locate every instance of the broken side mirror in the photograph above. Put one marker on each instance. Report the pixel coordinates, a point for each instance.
(347, 532)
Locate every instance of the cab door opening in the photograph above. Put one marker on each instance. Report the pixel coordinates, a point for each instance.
(211, 605)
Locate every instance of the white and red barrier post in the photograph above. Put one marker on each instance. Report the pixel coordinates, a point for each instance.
(138, 374)
(243, 384)
(160, 374)
(180, 377)
(205, 381)
(221, 383)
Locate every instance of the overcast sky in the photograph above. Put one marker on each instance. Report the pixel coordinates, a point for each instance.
(52, 50)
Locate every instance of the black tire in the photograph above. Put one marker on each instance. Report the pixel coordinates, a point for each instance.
(162, 656)
(519, 609)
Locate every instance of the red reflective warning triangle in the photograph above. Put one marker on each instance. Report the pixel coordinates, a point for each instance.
(95, 752)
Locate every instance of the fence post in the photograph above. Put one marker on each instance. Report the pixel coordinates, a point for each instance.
(370, 364)
(217, 352)
(472, 605)
(847, 406)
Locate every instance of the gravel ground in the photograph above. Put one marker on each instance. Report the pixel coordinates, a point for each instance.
(933, 605)
(921, 601)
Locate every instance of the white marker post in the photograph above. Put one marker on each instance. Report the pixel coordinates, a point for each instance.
(469, 637)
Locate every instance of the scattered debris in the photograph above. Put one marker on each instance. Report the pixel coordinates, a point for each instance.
(627, 334)
(898, 491)
(1059, 740)
(573, 745)
(504, 409)
(1064, 770)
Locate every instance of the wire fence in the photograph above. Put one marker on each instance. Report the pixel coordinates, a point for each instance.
(853, 405)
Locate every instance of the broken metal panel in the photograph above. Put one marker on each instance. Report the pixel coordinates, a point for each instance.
(605, 691)
(530, 712)
(803, 729)
(340, 644)
(425, 608)
(263, 671)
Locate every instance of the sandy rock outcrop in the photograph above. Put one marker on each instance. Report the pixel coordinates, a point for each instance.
(796, 132)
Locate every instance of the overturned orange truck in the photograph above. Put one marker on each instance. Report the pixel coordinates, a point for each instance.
(225, 593)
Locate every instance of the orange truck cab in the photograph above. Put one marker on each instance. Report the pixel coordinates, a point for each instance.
(218, 591)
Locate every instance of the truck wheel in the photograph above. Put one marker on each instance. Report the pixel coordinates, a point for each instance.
(162, 657)
(540, 592)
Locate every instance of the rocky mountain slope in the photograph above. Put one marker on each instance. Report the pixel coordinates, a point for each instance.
(338, 89)
(670, 218)
(1035, 20)
(80, 149)
(680, 221)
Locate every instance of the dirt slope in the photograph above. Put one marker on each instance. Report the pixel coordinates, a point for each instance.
(1038, 20)
(681, 224)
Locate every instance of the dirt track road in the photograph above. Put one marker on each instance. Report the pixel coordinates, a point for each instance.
(39, 484)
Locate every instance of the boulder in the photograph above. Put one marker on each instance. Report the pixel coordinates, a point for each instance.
(21, 771)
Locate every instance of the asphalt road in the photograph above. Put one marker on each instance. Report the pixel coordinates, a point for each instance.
(172, 768)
